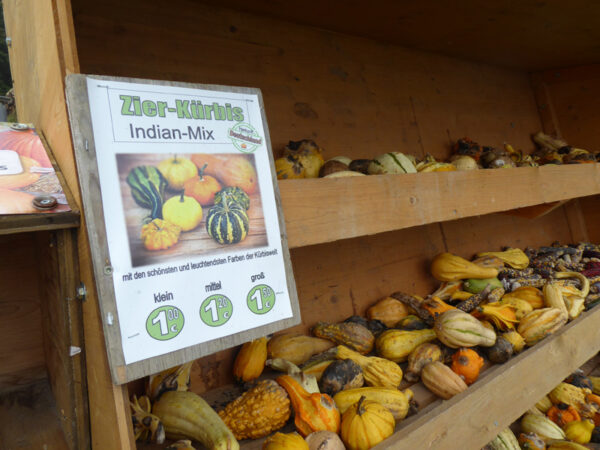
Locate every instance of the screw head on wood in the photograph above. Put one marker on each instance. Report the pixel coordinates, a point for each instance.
(8, 41)
(81, 292)
(108, 270)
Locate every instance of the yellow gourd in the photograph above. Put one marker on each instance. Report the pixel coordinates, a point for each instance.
(579, 431)
(449, 267)
(177, 171)
(159, 234)
(514, 257)
(285, 441)
(183, 211)
(250, 361)
(530, 294)
(365, 424)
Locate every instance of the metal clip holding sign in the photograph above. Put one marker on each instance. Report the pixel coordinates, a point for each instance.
(182, 203)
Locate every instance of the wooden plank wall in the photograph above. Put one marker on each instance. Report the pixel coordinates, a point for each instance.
(571, 101)
(354, 97)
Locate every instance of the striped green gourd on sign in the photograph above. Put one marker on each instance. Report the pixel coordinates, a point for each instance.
(393, 162)
(227, 223)
(147, 188)
(232, 194)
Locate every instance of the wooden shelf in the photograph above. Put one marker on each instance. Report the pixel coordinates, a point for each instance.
(325, 210)
(21, 223)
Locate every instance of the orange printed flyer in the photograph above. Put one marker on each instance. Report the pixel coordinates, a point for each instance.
(28, 182)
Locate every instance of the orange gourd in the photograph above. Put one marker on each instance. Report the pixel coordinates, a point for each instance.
(250, 361)
(502, 316)
(202, 187)
(313, 412)
(159, 234)
(562, 414)
(230, 170)
(436, 306)
(15, 202)
(467, 363)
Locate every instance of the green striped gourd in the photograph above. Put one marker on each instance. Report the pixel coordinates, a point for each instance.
(227, 223)
(232, 194)
(394, 162)
(147, 188)
(456, 329)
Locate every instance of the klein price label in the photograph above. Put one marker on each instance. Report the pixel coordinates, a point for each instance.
(165, 323)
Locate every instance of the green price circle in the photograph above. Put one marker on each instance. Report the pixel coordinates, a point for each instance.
(165, 323)
(216, 310)
(261, 299)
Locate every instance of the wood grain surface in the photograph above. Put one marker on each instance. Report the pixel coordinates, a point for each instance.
(196, 242)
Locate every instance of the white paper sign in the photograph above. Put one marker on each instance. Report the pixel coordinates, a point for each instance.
(190, 214)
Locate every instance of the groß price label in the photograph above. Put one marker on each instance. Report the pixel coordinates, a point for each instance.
(165, 323)
(216, 310)
(261, 299)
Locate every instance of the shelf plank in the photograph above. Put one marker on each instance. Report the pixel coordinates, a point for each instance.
(325, 210)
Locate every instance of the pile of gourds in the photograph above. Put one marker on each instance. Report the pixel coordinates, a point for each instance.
(568, 417)
(345, 378)
(304, 159)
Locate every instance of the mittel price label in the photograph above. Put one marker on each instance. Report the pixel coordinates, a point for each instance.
(165, 323)
(261, 299)
(216, 310)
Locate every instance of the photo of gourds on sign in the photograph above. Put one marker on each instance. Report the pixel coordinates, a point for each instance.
(189, 204)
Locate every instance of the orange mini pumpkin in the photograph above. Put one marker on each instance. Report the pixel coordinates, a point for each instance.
(202, 187)
(467, 363)
(562, 414)
(159, 234)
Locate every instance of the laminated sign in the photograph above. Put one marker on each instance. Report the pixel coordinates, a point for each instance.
(184, 219)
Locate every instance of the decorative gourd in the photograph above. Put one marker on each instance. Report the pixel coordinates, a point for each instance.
(159, 234)
(378, 372)
(181, 444)
(232, 194)
(411, 323)
(489, 261)
(449, 267)
(227, 223)
(500, 352)
(515, 340)
(315, 366)
(26, 144)
(341, 375)
(309, 155)
(595, 384)
(296, 348)
(580, 380)
(289, 168)
(502, 316)
(530, 294)
(553, 297)
(521, 307)
(579, 431)
(313, 412)
(435, 306)
(365, 424)
(457, 329)
(350, 334)
(230, 170)
(324, 440)
(147, 188)
(388, 310)
(202, 187)
(185, 212)
(285, 441)
(467, 363)
(176, 378)
(596, 435)
(308, 382)
(257, 412)
(250, 361)
(393, 162)
(505, 440)
(569, 394)
(25, 178)
(15, 202)
(544, 404)
(531, 441)
(177, 171)
(394, 400)
(421, 356)
(567, 445)
(146, 426)
(540, 323)
(396, 345)
(441, 380)
(374, 326)
(542, 426)
(514, 257)
(186, 415)
(332, 166)
(476, 285)
(562, 414)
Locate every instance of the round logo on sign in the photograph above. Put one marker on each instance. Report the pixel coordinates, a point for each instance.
(216, 310)
(261, 299)
(245, 137)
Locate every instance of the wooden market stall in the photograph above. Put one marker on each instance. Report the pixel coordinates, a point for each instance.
(360, 79)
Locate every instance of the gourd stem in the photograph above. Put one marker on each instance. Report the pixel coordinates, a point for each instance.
(359, 408)
(201, 171)
(181, 199)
